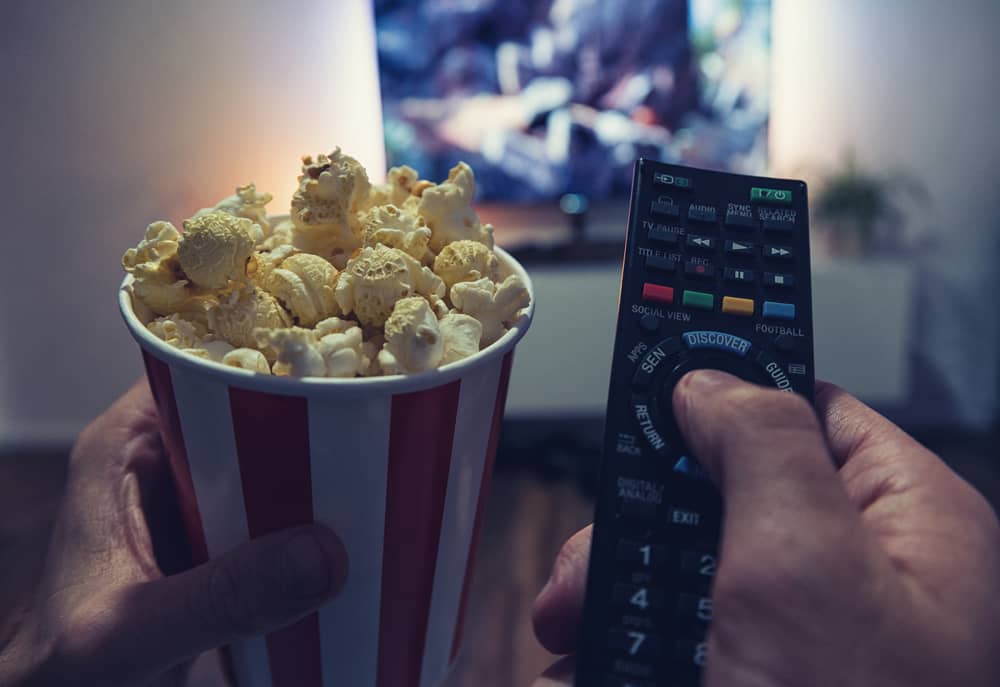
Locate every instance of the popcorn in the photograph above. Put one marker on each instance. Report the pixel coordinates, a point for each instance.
(216, 351)
(388, 225)
(361, 280)
(177, 331)
(159, 284)
(461, 335)
(296, 349)
(247, 359)
(246, 202)
(303, 283)
(216, 247)
(376, 277)
(465, 261)
(333, 189)
(301, 354)
(413, 341)
(235, 318)
(345, 352)
(495, 306)
(446, 210)
(401, 188)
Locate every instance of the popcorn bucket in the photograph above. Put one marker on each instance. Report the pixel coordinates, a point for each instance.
(398, 466)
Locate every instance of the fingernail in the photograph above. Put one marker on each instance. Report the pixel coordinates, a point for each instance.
(307, 570)
(708, 380)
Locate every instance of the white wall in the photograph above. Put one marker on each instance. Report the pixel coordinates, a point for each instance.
(911, 84)
(119, 112)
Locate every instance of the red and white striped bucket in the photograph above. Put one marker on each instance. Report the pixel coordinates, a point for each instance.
(398, 466)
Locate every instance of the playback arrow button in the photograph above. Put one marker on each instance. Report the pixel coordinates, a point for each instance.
(702, 242)
(781, 252)
(739, 247)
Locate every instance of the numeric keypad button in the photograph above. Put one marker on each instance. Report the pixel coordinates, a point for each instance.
(691, 652)
(642, 554)
(699, 563)
(637, 644)
(694, 606)
(637, 597)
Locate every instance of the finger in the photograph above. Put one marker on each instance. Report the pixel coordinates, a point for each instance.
(558, 609)
(766, 451)
(885, 470)
(261, 585)
(559, 674)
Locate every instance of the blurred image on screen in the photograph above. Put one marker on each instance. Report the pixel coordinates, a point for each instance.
(549, 97)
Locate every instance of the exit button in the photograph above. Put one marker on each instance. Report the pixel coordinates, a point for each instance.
(770, 195)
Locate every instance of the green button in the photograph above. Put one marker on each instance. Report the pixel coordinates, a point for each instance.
(697, 299)
(770, 195)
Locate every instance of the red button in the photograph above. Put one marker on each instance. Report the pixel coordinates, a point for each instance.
(653, 292)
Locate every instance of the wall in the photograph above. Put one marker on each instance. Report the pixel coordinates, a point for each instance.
(120, 112)
(911, 84)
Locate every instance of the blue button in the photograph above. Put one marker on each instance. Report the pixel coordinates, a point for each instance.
(687, 466)
(718, 340)
(779, 311)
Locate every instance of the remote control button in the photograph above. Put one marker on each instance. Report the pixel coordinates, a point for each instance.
(650, 324)
(739, 247)
(660, 264)
(740, 216)
(638, 597)
(690, 652)
(660, 294)
(683, 517)
(773, 369)
(737, 274)
(698, 299)
(645, 555)
(701, 242)
(702, 213)
(643, 416)
(693, 606)
(661, 234)
(785, 343)
(775, 224)
(651, 362)
(685, 183)
(780, 252)
(720, 341)
(776, 279)
(698, 269)
(699, 563)
(776, 196)
(691, 468)
(665, 205)
(635, 643)
(737, 306)
(779, 311)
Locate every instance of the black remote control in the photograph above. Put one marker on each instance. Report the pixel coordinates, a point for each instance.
(715, 275)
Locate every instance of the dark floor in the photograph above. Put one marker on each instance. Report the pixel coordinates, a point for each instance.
(538, 499)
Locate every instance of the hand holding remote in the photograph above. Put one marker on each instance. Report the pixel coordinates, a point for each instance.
(877, 567)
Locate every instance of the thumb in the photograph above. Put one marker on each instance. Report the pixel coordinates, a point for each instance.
(765, 450)
(259, 586)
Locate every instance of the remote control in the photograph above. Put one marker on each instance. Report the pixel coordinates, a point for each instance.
(715, 275)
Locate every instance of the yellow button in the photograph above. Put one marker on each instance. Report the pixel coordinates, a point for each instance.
(737, 306)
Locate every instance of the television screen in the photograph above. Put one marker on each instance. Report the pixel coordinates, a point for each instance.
(551, 97)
